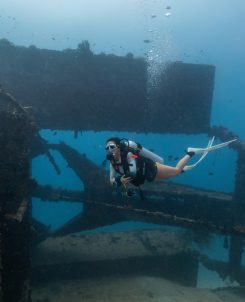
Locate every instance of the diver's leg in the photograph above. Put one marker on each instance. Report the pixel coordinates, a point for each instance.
(164, 171)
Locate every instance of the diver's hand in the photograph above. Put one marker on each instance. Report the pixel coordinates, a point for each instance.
(125, 180)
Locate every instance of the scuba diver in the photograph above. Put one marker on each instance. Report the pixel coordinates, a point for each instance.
(131, 163)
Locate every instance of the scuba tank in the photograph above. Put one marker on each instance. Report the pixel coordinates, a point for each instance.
(141, 151)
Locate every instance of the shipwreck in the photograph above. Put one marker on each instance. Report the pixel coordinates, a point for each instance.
(64, 90)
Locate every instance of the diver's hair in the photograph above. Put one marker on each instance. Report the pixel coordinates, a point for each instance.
(114, 139)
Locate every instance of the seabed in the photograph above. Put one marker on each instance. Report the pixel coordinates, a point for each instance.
(130, 289)
(133, 273)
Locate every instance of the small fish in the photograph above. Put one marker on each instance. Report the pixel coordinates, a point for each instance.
(210, 173)
(168, 7)
(147, 41)
(153, 16)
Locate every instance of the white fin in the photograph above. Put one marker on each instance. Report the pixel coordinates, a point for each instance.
(210, 148)
(190, 167)
(204, 151)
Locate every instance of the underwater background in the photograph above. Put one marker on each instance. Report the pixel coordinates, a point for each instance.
(191, 31)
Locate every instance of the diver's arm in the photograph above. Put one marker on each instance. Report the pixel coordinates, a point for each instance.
(117, 181)
(112, 174)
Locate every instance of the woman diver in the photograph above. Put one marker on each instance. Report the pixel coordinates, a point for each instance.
(132, 163)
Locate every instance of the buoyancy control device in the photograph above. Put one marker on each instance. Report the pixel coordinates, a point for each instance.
(140, 150)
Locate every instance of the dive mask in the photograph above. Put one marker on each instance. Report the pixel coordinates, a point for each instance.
(111, 147)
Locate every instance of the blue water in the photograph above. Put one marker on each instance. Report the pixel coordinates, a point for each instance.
(197, 31)
(92, 144)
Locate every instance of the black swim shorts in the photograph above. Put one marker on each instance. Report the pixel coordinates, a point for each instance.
(150, 170)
